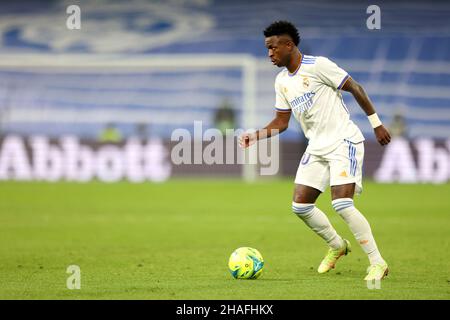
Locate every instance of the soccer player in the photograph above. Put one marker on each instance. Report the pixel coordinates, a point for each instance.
(309, 87)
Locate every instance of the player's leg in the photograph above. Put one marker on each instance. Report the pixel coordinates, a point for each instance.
(311, 180)
(304, 207)
(345, 179)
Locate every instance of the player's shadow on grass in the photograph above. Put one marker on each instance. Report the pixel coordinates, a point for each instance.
(342, 275)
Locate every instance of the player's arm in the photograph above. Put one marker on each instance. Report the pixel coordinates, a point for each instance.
(279, 124)
(381, 133)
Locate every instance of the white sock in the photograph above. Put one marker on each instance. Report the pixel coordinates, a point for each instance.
(318, 222)
(360, 228)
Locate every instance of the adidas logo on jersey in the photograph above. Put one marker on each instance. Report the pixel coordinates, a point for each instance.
(343, 174)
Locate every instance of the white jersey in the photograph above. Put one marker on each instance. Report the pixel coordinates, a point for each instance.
(313, 94)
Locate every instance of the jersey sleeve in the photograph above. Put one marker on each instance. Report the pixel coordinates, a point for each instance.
(330, 73)
(281, 103)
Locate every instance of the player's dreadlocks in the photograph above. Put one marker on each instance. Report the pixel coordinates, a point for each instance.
(278, 28)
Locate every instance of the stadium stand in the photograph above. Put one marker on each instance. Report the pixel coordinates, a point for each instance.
(406, 71)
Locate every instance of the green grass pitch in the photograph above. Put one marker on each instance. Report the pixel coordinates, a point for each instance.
(173, 240)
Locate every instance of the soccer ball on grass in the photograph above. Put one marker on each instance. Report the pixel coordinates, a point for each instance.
(246, 263)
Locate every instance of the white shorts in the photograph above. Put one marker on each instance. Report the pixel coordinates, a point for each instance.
(341, 166)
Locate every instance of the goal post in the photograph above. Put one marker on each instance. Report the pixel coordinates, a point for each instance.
(35, 85)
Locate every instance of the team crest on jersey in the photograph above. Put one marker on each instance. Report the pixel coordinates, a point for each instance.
(305, 82)
(285, 89)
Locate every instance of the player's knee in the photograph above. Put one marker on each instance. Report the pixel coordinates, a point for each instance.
(342, 204)
(297, 198)
(302, 209)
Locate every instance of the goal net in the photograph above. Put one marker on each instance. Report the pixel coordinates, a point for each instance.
(131, 96)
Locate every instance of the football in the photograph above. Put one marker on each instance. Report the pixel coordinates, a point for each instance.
(246, 263)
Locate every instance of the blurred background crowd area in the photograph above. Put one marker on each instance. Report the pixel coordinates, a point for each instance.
(145, 68)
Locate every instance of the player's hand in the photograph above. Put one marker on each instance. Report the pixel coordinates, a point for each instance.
(382, 134)
(247, 139)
